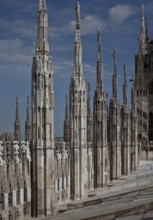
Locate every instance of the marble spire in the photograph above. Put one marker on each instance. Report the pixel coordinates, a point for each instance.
(28, 123)
(42, 5)
(114, 83)
(142, 46)
(77, 11)
(78, 120)
(125, 98)
(42, 140)
(78, 70)
(17, 123)
(99, 64)
(42, 46)
(66, 121)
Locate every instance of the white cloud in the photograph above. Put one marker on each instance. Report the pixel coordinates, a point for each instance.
(89, 25)
(119, 13)
(91, 22)
(14, 51)
(22, 28)
(89, 70)
(63, 69)
(18, 5)
(62, 31)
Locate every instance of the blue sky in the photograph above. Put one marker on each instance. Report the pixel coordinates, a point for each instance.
(120, 24)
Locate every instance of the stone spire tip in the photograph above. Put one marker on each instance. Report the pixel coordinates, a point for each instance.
(142, 7)
(142, 14)
(17, 101)
(142, 32)
(114, 54)
(17, 109)
(115, 63)
(42, 5)
(99, 45)
(77, 9)
(124, 67)
(77, 4)
(99, 37)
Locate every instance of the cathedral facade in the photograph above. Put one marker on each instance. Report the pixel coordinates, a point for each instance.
(97, 148)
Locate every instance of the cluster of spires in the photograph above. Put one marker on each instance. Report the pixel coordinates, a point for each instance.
(42, 190)
(144, 39)
(17, 132)
(143, 42)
